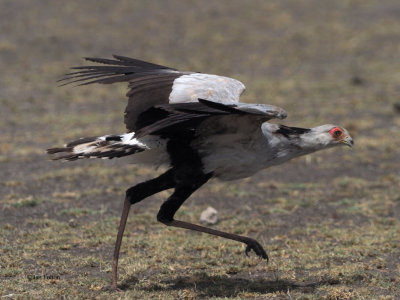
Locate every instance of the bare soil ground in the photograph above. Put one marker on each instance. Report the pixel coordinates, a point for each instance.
(329, 221)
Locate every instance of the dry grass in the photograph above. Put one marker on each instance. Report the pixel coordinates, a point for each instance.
(330, 221)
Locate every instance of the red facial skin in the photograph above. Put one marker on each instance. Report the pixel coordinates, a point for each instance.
(336, 133)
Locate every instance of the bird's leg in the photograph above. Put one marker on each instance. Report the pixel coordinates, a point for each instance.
(252, 244)
(133, 195)
(117, 247)
(181, 193)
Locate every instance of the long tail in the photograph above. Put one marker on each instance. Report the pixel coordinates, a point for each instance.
(107, 146)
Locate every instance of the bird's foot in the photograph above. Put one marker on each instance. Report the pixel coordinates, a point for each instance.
(257, 248)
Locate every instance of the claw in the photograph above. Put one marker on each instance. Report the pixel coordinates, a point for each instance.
(257, 248)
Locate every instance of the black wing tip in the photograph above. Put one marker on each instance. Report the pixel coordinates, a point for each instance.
(119, 69)
(93, 59)
(127, 61)
(122, 58)
(105, 61)
(58, 150)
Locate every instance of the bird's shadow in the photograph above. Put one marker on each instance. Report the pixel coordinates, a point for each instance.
(224, 286)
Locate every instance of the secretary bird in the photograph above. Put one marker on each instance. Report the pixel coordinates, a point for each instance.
(194, 123)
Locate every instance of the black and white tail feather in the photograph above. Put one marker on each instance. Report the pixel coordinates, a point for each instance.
(107, 146)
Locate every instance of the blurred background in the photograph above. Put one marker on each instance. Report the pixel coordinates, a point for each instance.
(329, 220)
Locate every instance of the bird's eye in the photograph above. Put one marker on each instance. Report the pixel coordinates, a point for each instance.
(336, 132)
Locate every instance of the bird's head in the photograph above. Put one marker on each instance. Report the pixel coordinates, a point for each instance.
(331, 135)
(340, 135)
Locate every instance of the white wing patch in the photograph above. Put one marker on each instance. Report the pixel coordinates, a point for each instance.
(188, 88)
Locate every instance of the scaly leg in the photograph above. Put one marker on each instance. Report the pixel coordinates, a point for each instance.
(133, 195)
(252, 244)
(181, 193)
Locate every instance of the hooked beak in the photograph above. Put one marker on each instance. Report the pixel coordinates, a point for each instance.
(348, 141)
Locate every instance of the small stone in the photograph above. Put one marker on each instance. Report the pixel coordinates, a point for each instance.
(209, 216)
(357, 80)
(72, 223)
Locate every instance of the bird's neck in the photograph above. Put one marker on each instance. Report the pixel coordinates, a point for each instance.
(312, 141)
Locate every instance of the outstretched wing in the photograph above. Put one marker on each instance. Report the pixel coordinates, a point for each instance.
(171, 120)
(151, 84)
